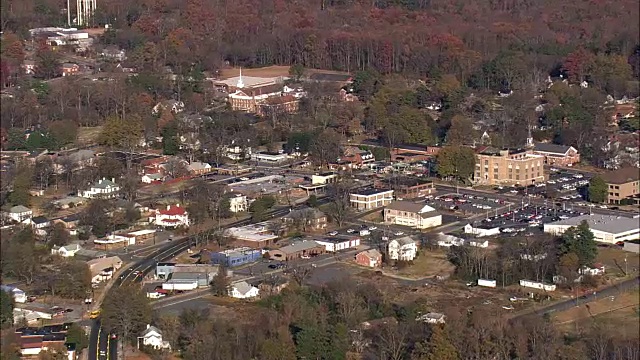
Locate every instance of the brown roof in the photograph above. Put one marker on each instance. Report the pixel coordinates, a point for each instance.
(622, 176)
(405, 206)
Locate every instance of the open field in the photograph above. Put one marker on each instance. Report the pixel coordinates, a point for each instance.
(612, 256)
(428, 264)
(88, 135)
(621, 314)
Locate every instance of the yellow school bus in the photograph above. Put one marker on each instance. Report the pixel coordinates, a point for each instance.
(94, 314)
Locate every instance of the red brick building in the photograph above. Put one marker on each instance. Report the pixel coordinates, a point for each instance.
(561, 155)
(413, 152)
(369, 258)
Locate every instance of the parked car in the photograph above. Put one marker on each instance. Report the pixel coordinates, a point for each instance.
(350, 231)
(333, 233)
(371, 228)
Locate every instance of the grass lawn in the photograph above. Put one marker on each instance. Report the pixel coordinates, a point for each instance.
(610, 256)
(88, 135)
(428, 263)
(621, 314)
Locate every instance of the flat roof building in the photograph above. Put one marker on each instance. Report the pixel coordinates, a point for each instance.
(623, 186)
(508, 167)
(297, 250)
(236, 257)
(606, 228)
(367, 199)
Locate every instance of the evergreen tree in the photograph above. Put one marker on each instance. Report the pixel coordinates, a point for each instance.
(580, 241)
(440, 346)
(597, 190)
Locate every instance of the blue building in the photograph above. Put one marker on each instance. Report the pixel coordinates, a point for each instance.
(236, 257)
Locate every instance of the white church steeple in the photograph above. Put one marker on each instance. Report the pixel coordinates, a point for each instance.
(529, 144)
(240, 84)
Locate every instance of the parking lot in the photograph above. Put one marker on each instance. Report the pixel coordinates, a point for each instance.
(465, 204)
(527, 219)
(565, 185)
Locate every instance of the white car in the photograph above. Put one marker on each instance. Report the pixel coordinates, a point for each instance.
(350, 231)
(513, 191)
(244, 178)
(551, 182)
(364, 232)
(578, 176)
(399, 233)
(305, 257)
(371, 228)
(333, 233)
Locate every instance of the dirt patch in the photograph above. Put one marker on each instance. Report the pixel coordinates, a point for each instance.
(621, 312)
(88, 135)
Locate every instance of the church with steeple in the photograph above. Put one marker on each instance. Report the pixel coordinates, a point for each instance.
(259, 95)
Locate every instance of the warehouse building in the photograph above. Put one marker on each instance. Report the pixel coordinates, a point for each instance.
(606, 228)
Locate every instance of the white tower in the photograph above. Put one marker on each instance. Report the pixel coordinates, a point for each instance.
(240, 84)
(85, 10)
(529, 145)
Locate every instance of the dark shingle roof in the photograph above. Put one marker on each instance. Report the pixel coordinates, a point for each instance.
(622, 176)
(552, 148)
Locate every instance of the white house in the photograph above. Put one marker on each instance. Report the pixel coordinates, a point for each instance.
(337, 244)
(149, 178)
(481, 231)
(18, 295)
(171, 105)
(66, 250)
(597, 269)
(243, 290)
(40, 222)
(238, 203)
(412, 214)
(20, 213)
(403, 248)
(173, 216)
(152, 337)
(445, 240)
(104, 188)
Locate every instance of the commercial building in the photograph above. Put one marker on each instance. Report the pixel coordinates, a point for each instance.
(562, 155)
(235, 257)
(103, 269)
(308, 219)
(410, 153)
(606, 228)
(297, 250)
(269, 157)
(623, 186)
(412, 214)
(407, 188)
(519, 167)
(368, 199)
(324, 178)
(185, 281)
(337, 243)
(255, 235)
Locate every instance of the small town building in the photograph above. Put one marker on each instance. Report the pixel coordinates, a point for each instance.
(337, 243)
(369, 199)
(40, 222)
(272, 285)
(481, 230)
(70, 69)
(257, 236)
(238, 203)
(269, 157)
(412, 214)
(152, 337)
(199, 168)
(605, 228)
(243, 290)
(187, 280)
(168, 105)
(102, 269)
(69, 250)
(410, 153)
(370, 258)
(623, 186)
(69, 202)
(70, 222)
(407, 188)
(297, 250)
(308, 219)
(432, 318)
(172, 216)
(632, 246)
(152, 178)
(518, 167)
(402, 249)
(236, 257)
(19, 213)
(18, 295)
(104, 188)
(554, 154)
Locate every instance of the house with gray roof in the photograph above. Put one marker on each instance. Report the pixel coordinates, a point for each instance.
(605, 228)
(243, 290)
(555, 154)
(297, 250)
(83, 157)
(103, 188)
(19, 213)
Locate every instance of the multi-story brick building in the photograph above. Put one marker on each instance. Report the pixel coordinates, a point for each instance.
(623, 186)
(519, 167)
(367, 199)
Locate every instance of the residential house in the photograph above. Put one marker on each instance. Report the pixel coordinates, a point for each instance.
(18, 295)
(69, 201)
(66, 250)
(113, 53)
(171, 105)
(70, 222)
(416, 215)
(413, 152)
(152, 178)
(344, 95)
(102, 269)
(596, 270)
(243, 290)
(623, 186)
(370, 258)
(238, 203)
(561, 155)
(308, 219)
(152, 337)
(29, 67)
(199, 168)
(353, 160)
(368, 199)
(272, 285)
(446, 240)
(172, 217)
(70, 69)
(104, 188)
(83, 158)
(481, 230)
(432, 318)
(402, 249)
(20, 213)
(39, 223)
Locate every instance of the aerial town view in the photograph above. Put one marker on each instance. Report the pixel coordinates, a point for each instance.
(319, 180)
